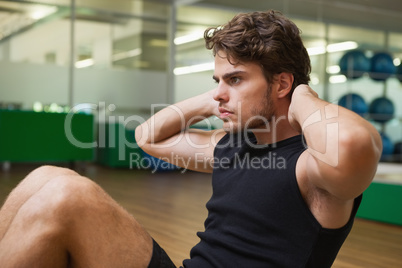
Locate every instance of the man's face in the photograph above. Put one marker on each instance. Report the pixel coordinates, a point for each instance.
(244, 95)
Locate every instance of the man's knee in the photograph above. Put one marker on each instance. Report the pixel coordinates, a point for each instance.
(62, 198)
(35, 181)
(37, 178)
(47, 171)
(69, 190)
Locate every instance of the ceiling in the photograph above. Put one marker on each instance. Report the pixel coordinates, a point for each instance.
(373, 14)
(19, 16)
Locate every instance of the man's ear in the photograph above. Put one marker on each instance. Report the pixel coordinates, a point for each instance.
(285, 84)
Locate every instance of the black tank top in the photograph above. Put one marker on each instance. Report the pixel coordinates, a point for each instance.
(257, 216)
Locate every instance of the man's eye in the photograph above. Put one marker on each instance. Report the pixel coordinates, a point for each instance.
(234, 80)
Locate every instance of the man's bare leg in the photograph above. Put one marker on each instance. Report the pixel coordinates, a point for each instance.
(56, 218)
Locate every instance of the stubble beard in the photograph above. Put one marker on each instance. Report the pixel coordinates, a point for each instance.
(261, 116)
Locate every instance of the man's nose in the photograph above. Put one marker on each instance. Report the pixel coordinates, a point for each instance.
(221, 93)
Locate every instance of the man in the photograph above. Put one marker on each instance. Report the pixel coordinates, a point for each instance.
(275, 203)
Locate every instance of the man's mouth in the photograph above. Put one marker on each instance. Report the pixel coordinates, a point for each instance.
(224, 113)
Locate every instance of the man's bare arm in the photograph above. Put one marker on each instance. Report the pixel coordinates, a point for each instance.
(343, 148)
(167, 133)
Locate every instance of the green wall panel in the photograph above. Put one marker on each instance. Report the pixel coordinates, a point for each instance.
(382, 202)
(117, 146)
(30, 136)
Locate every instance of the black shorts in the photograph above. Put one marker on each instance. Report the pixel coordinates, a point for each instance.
(159, 258)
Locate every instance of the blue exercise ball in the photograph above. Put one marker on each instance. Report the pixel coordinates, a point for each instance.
(354, 64)
(387, 147)
(355, 103)
(381, 110)
(381, 66)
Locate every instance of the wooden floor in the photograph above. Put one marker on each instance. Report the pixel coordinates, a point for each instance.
(171, 206)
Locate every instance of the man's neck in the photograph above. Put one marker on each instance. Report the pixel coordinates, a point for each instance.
(277, 131)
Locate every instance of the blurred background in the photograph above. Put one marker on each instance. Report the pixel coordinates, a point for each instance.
(115, 59)
(77, 76)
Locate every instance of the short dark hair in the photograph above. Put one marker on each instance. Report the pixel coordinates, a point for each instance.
(267, 38)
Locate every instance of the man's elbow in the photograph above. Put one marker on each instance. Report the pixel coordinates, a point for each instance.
(362, 142)
(141, 136)
(362, 153)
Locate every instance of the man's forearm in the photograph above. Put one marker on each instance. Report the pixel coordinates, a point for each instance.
(328, 128)
(312, 116)
(174, 118)
(345, 147)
